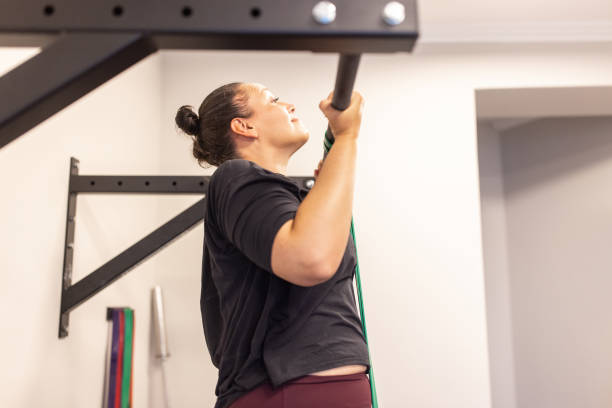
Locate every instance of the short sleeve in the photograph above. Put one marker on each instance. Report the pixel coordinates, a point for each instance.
(251, 209)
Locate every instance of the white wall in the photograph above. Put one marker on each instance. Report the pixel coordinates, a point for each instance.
(113, 130)
(417, 214)
(495, 252)
(555, 176)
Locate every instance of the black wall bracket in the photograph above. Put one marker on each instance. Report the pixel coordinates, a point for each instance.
(72, 295)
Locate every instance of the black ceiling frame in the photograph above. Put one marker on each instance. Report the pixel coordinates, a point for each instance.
(86, 43)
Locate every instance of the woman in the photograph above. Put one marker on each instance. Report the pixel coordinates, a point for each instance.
(278, 306)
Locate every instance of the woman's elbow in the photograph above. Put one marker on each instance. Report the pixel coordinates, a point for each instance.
(320, 271)
(308, 271)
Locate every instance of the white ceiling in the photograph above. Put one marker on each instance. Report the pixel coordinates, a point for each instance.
(515, 11)
(514, 21)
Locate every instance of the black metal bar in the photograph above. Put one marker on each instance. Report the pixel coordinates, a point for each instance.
(229, 24)
(346, 75)
(326, 42)
(68, 246)
(345, 80)
(128, 259)
(141, 184)
(60, 74)
(97, 40)
(150, 184)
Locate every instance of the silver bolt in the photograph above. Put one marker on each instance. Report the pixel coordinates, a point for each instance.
(324, 12)
(394, 13)
(309, 183)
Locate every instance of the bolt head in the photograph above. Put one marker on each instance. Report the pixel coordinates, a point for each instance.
(394, 13)
(309, 184)
(324, 12)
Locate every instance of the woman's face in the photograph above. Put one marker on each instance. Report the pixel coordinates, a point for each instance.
(274, 120)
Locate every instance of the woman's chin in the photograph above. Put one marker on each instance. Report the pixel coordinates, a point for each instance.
(302, 140)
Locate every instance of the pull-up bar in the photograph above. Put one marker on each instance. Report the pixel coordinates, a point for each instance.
(343, 89)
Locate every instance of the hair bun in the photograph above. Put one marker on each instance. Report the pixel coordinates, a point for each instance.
(188, 120)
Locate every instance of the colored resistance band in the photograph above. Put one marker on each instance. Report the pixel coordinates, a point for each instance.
(117, 399)
(327, 145)
(114, 357)
(121, 359)
(126, 384)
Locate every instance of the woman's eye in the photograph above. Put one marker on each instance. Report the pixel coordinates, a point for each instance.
(275, 99)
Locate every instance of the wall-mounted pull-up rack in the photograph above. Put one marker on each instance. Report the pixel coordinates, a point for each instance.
(75, 294)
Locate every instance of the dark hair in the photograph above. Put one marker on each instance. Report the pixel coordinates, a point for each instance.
(210, 128)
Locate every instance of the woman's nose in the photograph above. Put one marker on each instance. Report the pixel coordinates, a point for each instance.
(290, 108)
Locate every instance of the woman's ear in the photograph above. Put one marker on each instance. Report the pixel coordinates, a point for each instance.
(241, 127)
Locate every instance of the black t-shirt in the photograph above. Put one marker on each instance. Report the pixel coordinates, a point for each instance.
(259, 327)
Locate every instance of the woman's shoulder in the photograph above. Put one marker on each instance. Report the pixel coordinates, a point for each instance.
(242, 167)
(234, 174)
(231, 169)
(233, 165)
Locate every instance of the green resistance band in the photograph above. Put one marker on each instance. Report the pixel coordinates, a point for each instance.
(327, 145)
(126, 378)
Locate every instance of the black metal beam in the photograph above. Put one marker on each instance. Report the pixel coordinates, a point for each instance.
(97, 40)
(128, 259)
(60, 74)
(68, 246)
(140, 184)
(239, 24)
(150, 184)
(332, 42)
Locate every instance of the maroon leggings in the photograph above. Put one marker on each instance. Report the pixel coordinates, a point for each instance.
(330, 391)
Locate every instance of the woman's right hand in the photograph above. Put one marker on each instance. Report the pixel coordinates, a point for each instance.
(346, 123)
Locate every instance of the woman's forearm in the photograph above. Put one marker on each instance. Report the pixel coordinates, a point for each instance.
(322, 222)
